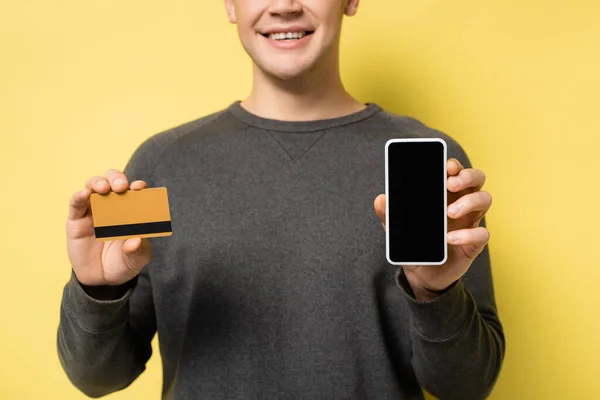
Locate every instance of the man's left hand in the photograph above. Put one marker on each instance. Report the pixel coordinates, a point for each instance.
(467, 205)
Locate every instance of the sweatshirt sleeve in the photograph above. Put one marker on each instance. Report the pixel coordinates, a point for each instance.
(457, 338)
(103, 345)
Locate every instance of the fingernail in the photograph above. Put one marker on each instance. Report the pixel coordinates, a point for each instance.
(455, 182)
(120, 181)
(454, 209)
(454, 237)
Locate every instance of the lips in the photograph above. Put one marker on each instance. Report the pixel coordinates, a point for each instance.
(287, 30)
(287, 35)
(280, 41)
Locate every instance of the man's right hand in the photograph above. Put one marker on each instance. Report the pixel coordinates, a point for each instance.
(100, 263)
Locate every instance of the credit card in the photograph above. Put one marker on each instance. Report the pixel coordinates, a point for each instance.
(135, 213)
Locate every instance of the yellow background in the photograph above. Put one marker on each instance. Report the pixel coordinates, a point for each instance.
(517, 83)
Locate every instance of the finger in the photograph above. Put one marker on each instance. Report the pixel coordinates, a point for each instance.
(476, 201)
(477, 237)
(137, 185)
(118, 180)
(454, 166)
(98, 184)
(132, 245)
(379, 205)
(138, 250)
(79, 203)
(466, 178)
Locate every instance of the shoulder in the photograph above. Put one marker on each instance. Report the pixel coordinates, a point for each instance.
(403, 126)
(194, 129)
(156, 148)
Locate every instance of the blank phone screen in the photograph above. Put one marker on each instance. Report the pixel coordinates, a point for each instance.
(416, 196)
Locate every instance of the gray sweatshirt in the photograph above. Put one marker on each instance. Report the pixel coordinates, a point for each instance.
(275, 283)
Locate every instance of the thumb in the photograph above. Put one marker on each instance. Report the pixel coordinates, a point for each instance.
(379, 205)
(138, 250)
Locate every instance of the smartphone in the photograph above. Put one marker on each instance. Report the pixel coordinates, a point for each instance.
(416, 208)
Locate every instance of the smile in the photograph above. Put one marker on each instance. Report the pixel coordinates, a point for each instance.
(286, 36)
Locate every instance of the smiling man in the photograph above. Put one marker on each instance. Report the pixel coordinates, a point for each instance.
(275, 284)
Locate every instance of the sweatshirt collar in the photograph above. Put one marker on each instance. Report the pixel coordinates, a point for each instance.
(300, 126)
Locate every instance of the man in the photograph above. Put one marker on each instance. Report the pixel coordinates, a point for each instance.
(275, 284)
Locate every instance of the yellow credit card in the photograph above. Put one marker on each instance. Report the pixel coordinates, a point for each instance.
(135, 213)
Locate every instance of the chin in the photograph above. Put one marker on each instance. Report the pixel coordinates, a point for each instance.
(286, 72)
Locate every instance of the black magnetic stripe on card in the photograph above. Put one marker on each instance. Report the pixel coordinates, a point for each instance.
(133, 229)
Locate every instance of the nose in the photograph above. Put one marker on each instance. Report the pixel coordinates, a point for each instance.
(285, 7)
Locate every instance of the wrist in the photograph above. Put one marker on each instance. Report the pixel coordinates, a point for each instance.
(107, 292)
(423, 292)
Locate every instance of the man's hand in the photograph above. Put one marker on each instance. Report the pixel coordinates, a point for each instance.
(103, 263)
(467, 206)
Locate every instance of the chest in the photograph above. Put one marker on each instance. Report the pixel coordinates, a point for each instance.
(266, 239)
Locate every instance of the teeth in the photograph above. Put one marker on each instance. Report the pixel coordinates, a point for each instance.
(286, 35)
